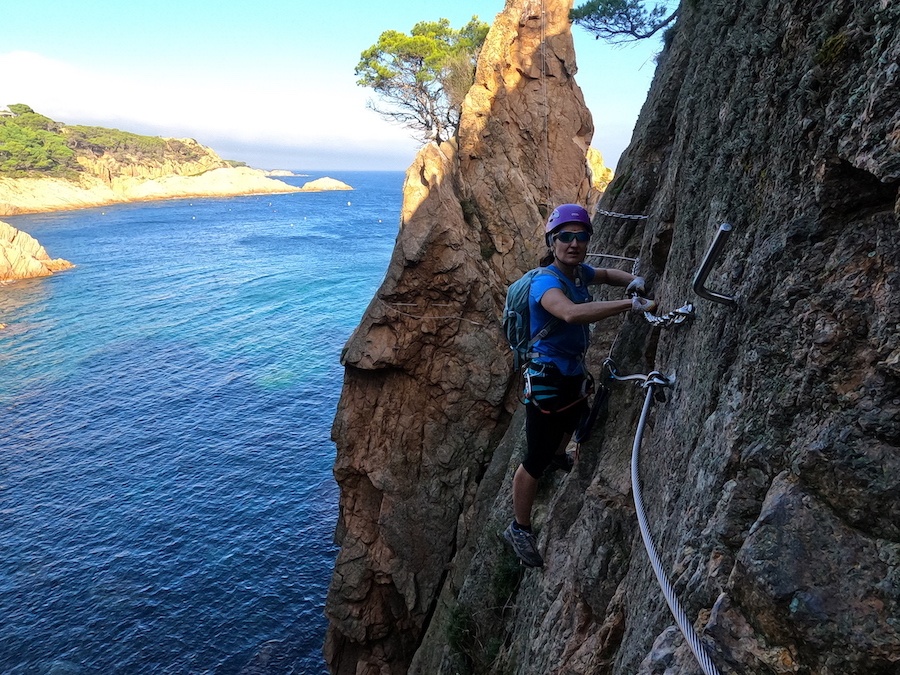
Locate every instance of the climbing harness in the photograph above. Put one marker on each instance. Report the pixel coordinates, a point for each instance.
(715, 250)
(651, 382)
(540, 386)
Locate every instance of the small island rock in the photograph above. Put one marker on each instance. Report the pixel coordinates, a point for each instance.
(320, 184)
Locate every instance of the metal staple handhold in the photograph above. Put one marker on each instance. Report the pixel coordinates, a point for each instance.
(715, 250)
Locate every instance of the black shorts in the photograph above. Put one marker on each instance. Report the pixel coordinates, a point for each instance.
(555, 404)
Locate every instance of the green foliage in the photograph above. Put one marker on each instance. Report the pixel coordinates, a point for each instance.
(19, 108)
(26, 144)
(476, 648)
(32, 120)
(615, 188)
(668, 35)
(100, 139)
(505, 579)
(422, 78)
(126, 145)
(622, 20)
(462, 634)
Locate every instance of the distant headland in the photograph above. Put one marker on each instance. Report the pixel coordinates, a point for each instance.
(49, 166)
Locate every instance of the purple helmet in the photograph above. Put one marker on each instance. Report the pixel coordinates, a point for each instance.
(568, 213)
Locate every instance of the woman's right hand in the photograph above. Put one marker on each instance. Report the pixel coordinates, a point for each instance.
(639, 304)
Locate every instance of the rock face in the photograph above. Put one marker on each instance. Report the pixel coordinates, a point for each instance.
(427, 377)
(192, 159)
(770, 473)
(22, 257)
(601, 175)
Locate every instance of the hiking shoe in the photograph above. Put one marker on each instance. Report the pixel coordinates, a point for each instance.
(524, 545)
(563, 462)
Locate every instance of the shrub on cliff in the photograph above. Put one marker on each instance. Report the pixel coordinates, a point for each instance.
(424, 76)
(125, 146)
(622, 20)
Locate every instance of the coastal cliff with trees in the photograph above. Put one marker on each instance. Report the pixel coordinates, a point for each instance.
(48, 166)
(769, 465)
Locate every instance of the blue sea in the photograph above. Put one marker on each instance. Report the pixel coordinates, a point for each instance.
(166, 497)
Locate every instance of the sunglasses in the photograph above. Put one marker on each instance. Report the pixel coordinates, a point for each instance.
(569, 237)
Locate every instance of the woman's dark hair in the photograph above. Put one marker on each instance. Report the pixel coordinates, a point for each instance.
(547, 259)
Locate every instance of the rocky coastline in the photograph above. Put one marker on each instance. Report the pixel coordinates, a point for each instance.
(22, 257)
(38, 195)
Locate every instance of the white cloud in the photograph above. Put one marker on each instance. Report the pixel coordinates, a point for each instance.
(307, 112)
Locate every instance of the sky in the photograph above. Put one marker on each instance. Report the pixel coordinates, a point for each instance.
(268, 83)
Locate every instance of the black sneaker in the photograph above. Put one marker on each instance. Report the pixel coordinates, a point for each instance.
(524, 544)
(563, 462)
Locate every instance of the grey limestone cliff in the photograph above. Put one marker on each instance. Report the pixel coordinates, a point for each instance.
(771, 470)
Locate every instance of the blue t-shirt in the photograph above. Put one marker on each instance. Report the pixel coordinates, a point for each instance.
(566, 344)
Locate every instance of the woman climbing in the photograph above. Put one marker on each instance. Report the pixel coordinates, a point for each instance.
(557, 383)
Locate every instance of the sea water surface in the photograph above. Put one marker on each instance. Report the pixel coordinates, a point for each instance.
(166, 496)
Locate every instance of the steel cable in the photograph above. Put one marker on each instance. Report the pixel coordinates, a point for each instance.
(681, 618)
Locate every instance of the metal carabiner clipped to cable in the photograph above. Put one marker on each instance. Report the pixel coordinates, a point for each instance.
(673, 318)
(654, 378)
